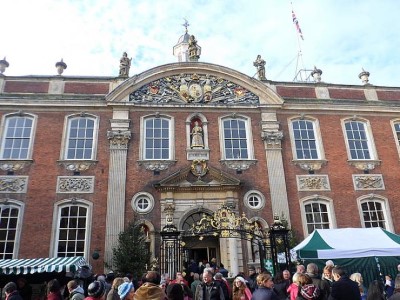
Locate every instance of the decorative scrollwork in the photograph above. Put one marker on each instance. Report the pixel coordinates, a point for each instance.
(226, 223)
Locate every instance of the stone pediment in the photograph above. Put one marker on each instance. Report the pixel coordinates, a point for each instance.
(185, 180)
(191, 84)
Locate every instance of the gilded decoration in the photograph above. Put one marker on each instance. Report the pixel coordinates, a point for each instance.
(225, 223)
(313, 183)
(199, 168)
(75, 184)
(13, 184)
(193, 88)
(368, 182)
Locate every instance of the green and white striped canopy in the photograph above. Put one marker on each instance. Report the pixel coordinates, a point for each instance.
(41, 265)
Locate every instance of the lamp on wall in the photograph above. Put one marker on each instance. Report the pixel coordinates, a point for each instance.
(96, 254)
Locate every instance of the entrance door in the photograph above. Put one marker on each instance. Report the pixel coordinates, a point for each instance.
(202, 250)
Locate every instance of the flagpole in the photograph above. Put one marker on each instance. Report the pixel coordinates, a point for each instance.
(299, 34)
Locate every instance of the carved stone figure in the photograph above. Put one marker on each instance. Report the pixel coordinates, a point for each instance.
(124, 65)
(193, 51)
(197, 136)
(259, 63)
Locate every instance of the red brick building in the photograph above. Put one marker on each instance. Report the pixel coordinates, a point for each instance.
(82, 156)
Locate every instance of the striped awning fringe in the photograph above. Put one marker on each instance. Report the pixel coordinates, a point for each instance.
(41, 265)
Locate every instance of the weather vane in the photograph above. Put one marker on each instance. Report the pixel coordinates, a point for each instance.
(186, 24)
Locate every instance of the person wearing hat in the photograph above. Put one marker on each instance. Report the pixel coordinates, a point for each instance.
(10, 289)
(96, 290)
(126, 291)
(240, 291)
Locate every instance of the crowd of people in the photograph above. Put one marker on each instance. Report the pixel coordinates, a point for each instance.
(210, 281)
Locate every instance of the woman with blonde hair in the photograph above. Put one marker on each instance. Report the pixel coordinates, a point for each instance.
(240, 291)
(293, 289)
(357, 277)
(113, 293)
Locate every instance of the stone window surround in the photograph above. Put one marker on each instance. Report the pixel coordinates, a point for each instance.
(237, 164)
(254, 193)
(361, 164)
(157, 164)
(141, 195)
(317, 199)
(56, 221)
(64, 143)
(32, 137)
(386, 209)
(308, 164)
(21, 207)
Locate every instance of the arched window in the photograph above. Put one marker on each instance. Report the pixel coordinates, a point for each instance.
(17, 141)
(81, 137)
(193, 219)
(317, 213)
(72, 230)
(10, 223)
(374, 212)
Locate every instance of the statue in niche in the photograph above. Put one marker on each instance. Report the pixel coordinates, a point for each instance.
(197, 136)
(259, 63)
(124, 65)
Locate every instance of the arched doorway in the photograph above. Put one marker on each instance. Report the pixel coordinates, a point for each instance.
(200, 248)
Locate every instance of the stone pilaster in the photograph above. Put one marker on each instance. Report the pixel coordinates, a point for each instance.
(272, 138)
(119, 140)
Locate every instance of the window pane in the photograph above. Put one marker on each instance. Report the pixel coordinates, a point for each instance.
(304, 139)
(157, 142)
(72, 230)
(357, 140)
(18, 131)
(9, 218)
(373, 214)
(235, 139)
(316, 216)
(80, 138)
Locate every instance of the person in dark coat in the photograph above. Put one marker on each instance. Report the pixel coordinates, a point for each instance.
(396, 293)
(10, 289)
(343, 288)
(265, 288)
(280, 286)
(323, 285)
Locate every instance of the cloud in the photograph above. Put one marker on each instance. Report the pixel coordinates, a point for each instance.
(340, 36)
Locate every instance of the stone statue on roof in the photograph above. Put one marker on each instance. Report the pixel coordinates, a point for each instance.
(193, 49)
(124, 65)
(259, 63)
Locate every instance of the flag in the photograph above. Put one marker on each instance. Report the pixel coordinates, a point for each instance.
(296, 22)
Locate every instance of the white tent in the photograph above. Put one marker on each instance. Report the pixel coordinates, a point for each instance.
(373, 252)
(349, 243)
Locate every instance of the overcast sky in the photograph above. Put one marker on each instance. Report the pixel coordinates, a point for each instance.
(340, 36)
